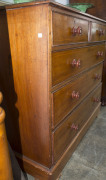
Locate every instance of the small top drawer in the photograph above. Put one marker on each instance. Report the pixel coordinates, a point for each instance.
(98, 32)
(67, 29)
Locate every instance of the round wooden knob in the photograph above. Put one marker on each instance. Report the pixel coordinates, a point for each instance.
(96, 100)
(75, 95)
(74, 62)
(74, 31)
(78, 64)
(79, 30)
(73, 126)
(99, 53)
(101, 32)
(102, 53)
(97, 76)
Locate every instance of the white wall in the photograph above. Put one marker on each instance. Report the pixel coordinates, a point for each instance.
(63, 1)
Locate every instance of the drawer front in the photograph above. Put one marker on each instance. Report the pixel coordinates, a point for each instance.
(71, 62)
(98, 32)
(63, 136)
(67, 29)
(65, 99)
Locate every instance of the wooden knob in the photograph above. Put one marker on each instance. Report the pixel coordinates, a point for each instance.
(73, 126)
(99, 53)
(102, 53)
(74, 31)
(74, 62)
(96, 100)
(75, 95)
(101, 32)
(78, 64)
(79, 30)
(97, 76)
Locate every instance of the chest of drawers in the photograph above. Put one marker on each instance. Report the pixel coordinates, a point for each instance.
(56, 64)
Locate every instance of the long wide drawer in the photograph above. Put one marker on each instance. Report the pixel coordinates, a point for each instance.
(98, 32)
(67, 29)
(68, 97)
(64, 134)
(66, 64)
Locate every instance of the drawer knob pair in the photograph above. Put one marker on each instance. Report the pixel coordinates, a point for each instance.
(76, 31)
(97, 76)
(96, 100)
(100, 53)
(74, 127)
(76, 63)
(75, 95)
(101, 32)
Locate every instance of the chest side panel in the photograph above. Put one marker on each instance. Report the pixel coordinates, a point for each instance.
(28, 33)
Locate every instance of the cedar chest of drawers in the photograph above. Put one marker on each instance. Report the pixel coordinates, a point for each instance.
(54, 81)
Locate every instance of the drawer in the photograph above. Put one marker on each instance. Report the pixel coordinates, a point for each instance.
(67, 29)
(69, 63)
(98, 32)
(64, 134)
(68, 97)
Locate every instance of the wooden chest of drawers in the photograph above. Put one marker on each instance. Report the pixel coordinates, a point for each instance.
(53, 77)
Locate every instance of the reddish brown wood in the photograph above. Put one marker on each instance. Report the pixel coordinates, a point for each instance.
(28, 74)
(73, 124)
(55, 171)
(98, 32)
(63, 103)
(64, 158)
(31, 83)
(65, 29)
(62, 62)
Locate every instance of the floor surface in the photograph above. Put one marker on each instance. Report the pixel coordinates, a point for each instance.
(88, 162)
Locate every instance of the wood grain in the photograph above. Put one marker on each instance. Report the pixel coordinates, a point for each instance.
(62, 67)
(37, 107)
(65, 132)
(63, 103)
(63, 29)
(55, 171)
(29, 63)
(95, 28)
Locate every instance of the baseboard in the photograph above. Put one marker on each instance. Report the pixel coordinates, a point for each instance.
(43, 173)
